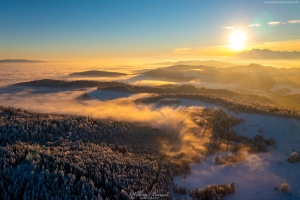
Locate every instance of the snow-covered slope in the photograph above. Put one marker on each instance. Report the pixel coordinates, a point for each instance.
(256, 177)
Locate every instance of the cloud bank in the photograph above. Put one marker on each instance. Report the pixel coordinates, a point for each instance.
(274, 23)
(254, 25)
(294, 21)
(228, 27)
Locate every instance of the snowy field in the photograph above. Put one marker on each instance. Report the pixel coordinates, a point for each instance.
(256, 177)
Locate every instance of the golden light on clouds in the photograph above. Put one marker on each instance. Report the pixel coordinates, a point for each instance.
(293, 45)
(237, 39)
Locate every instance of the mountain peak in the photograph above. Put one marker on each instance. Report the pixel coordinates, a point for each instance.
(258, 54)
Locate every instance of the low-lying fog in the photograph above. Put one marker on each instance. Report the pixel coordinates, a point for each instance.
(11, 73)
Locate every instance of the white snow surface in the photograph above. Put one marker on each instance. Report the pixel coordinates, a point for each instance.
(255, 177)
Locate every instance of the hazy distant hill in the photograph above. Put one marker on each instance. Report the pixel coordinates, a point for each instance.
(253, 76)
(210, 63)
(96, 73)
(20, 61)
(179, 72)
(172, 73)
(257, 54)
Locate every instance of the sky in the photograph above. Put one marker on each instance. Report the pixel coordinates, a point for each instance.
(56, 30)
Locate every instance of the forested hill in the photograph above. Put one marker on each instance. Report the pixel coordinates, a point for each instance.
(74, 157)
(97, 73)
(119, 86)
(65, 84)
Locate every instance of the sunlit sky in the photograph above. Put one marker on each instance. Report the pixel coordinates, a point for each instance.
(149, 29)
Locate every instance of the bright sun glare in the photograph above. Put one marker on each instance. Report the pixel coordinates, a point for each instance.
(237, 40)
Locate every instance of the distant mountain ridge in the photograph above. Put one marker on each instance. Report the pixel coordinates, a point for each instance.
(209, 63)
(20, 61)
(268, 54)
(97, 73)
(252, 76)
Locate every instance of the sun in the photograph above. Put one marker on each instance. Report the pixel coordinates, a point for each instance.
(237, 40)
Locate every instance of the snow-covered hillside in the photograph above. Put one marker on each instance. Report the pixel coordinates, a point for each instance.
(257, 176)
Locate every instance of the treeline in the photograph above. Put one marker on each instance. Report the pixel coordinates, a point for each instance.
(211, 192)
(74, 157)
(169, 89)
(22, 125)
(63, 83)
(119, 86)
(224, 139)
(223, 133)
(233, 104)
(294, 157)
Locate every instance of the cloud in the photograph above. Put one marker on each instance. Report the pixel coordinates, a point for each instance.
(228, 27)
(274, 23)
(203, 51)
(255, 162)
(254, 25)
(150, 82)
(297, 21)
(294, 21)
(182, 49)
